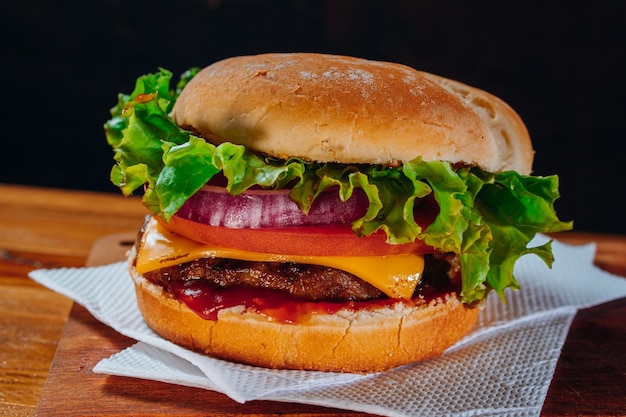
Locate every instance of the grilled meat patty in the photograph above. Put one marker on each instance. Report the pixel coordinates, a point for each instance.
(308, 282)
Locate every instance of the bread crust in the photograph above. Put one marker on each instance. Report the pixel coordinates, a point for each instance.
(330, 108)
(348, 341)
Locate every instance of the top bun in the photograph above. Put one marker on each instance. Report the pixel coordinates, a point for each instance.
(329, 108)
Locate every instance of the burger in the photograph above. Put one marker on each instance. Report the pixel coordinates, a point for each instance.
(321, 212)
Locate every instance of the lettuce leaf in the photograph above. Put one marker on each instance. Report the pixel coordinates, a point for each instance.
(487, 219)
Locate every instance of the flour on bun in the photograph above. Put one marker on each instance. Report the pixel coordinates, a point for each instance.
(324, 212)
(349, 110)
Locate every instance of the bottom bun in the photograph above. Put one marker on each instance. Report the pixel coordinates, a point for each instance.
(348, 341)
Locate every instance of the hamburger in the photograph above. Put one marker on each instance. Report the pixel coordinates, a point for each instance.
(322, 212)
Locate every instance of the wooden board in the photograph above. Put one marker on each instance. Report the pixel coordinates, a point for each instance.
(72, 389)
(589, 378)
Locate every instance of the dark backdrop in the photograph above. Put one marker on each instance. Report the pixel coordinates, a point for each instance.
(560, 64)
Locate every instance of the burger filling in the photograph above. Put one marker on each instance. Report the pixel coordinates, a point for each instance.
(303, 281)
(284, 291)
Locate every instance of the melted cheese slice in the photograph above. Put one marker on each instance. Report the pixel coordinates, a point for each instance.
(395, 275)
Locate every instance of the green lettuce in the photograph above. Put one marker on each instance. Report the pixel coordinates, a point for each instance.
(487, 219)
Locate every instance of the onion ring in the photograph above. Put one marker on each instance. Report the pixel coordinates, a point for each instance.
(256, 209)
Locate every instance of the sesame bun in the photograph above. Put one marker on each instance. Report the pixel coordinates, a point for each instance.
(329, 108)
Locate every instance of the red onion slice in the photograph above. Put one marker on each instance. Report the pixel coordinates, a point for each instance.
(256, 209)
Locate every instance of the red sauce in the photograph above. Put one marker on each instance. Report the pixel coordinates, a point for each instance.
(206, 301)
(145, 98)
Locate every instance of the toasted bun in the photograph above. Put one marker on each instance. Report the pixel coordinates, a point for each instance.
(360, 342)
(330, 108)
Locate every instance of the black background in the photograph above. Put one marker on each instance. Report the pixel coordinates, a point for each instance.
(560, 64)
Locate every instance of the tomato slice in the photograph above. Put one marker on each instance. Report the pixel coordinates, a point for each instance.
(331, 240)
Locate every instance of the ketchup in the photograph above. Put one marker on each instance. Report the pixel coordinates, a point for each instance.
(206, 300)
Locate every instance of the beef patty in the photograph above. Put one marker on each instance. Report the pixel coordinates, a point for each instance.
(304, 281)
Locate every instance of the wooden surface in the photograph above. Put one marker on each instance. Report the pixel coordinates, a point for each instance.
(52, 228)
(44, 228)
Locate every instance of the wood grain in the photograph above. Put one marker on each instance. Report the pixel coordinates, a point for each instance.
(31, 321)
(62, 223)
(590, 377)
(39, 228)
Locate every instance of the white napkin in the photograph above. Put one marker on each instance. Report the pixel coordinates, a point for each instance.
(503, 368)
